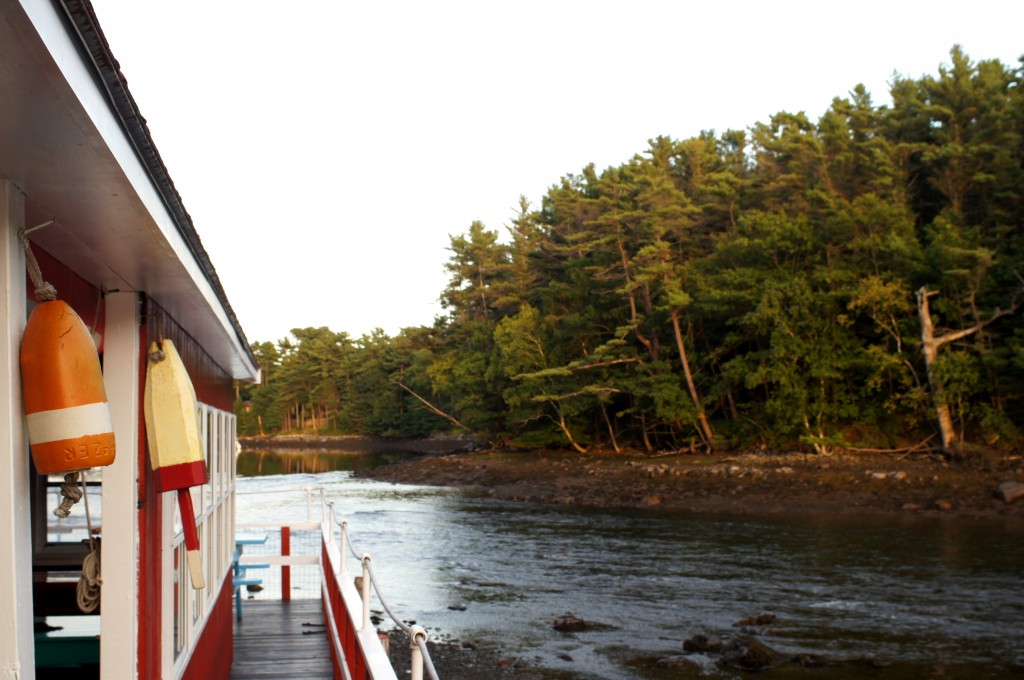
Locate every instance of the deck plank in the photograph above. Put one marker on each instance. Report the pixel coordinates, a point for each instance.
(272, 642)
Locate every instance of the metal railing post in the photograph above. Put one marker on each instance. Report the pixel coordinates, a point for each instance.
(417, 655)
(344, 547)
(286, 571)
(330, 530)
(366, 591)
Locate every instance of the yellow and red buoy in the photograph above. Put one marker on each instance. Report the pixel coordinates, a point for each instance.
(175, 449)
(69, 425)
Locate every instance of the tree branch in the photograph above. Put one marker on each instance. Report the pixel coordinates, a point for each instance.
(921, 445)
(580, 393)
(610, 362)
(953, 336)
(435, 410)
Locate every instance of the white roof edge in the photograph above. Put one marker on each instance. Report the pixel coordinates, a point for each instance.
(50, 26)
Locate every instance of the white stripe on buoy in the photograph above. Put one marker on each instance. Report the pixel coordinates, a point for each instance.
(69, 423)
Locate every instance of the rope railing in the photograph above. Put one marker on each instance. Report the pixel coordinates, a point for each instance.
(417, 634)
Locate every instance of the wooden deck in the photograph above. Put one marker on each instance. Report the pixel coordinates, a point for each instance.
(278, 639)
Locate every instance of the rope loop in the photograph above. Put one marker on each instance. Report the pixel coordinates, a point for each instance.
(418, 633)
(44, 291)
(71, 493)
(418, 638)
(157, 355)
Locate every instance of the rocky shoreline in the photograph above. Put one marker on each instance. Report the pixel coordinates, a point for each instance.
(753, 484)
(748, 484)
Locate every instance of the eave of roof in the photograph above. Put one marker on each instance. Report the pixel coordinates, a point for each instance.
(94, 43)
(73, 142)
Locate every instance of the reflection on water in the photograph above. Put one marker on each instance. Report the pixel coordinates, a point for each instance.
(497, 573)
(287, 462)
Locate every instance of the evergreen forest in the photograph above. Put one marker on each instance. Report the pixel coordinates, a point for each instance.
(851, 282)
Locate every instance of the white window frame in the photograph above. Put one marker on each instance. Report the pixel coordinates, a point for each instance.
(214, 502)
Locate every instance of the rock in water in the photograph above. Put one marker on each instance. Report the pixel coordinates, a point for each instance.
(1010, 491)
(748, 654)
(763, 619)
(702, 644)
(676, 662)
(810, 660)
(570, 624)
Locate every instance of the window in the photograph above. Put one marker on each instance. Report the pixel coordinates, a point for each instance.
(214, 507)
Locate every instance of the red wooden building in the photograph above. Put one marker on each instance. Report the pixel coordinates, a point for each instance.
(120, 248)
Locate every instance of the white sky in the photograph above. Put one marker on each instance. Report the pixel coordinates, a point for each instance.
(326, 150)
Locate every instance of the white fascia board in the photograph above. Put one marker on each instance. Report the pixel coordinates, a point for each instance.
(119, 624)
(49, 24)
(17, 651)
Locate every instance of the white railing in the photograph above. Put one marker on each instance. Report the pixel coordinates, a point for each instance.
(417, 634)
(347, 610)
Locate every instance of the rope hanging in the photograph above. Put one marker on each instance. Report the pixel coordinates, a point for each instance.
(157, 355)
(88, 594)
(71, 493)
(89, 583)
(44, 291)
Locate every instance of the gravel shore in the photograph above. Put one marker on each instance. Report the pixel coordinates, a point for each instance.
(754, 484)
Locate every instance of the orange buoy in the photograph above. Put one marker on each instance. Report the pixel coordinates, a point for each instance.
(69, 426)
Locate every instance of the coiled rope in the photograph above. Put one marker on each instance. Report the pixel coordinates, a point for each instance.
(89, 583)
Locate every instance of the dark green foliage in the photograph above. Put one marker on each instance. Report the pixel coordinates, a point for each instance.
(752, 285)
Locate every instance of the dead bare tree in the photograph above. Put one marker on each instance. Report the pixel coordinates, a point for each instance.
(931, 343)
(435, 410)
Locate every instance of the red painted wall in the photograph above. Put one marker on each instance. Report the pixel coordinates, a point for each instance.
(214, 652)
(212, 657)
(85, 298)
(150, 562)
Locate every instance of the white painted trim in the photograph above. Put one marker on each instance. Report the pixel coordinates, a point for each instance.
(167, 567)
(119, 632)
(310, 525)
(213, 503)
(181, 665)
(279, 560)
(17, 650)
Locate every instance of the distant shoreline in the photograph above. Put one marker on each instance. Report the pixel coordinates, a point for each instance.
(354, 443)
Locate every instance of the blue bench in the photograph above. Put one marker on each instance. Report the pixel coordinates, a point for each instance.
(240, 567)
(240, 579)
